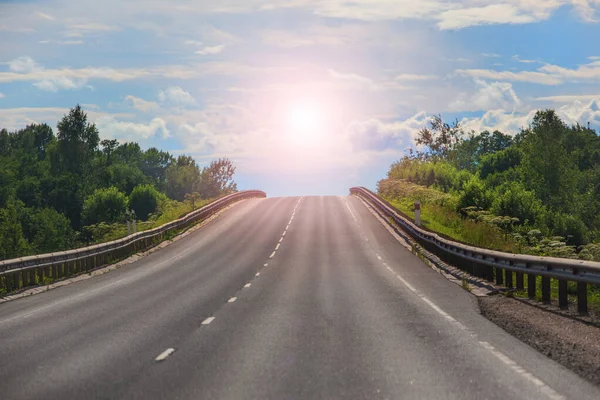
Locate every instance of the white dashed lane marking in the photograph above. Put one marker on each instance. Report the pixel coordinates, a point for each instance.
(208, 320)
(231, 300)
(272, 255)
(247, 285)
(277, 247)
(162, 356)
(257, 274)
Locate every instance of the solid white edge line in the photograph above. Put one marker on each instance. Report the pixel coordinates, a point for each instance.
(231, 300)
(208, 320)
(162, 356)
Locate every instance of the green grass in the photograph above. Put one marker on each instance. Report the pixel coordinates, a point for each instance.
(444, 221)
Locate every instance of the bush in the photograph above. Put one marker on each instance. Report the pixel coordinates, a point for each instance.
(144, 199)
(514, 201)
(104, 205)
(474, 194)
(569, 227)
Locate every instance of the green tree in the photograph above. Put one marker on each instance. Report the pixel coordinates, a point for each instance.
(217, 179)
(182, 177)
(546, 166)
(104, 205)
(144, 199)
(12, 242)
(77, 141)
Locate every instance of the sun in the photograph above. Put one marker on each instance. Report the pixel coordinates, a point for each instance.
(303, 119)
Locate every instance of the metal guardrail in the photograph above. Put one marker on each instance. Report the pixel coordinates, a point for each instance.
(34, 270)
(490, 264)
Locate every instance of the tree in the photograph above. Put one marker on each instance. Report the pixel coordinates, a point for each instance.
(439, 138)
(104, 205)
(12, 242)
(546, 166)
(77, 141)
(108, 147)
(144, 199)
(182, 177)
(193, 198)
(217, 179)
(154, 165)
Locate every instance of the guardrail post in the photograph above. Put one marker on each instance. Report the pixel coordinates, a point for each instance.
(531, 286)
(509, 278)
(545, 289)
(520, 281)
(582, 305)
(563, 298)
(499, 276)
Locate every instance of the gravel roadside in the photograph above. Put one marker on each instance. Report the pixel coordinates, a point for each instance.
(570, 340)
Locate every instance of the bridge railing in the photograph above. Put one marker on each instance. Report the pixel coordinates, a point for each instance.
(495, 265)
(21, 272)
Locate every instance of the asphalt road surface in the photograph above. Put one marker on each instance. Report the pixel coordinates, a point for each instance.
(280, 298)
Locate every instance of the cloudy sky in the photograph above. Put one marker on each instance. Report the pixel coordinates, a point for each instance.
(306, 96)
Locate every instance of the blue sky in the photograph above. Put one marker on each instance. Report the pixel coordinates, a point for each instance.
(306, 96)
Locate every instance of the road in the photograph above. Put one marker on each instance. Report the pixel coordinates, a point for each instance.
(280, 298)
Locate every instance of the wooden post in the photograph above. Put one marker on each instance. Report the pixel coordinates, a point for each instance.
(520, 281)
(499, 276)
(563, 298)
(582, 306)
(531, 283)
(545, 289)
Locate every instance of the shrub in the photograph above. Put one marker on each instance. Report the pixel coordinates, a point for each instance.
(513, 200)
(144, 199)
(475, 194)
(104, 205)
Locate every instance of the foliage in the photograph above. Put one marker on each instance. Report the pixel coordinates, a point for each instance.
(217, 178)
(144, 199)
(183, 177)
(545, 179)
(104, 205)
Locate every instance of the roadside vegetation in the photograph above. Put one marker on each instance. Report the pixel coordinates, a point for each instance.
(70, 189)
(537, 192)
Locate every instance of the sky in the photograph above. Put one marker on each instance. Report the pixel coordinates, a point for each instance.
(307, 97)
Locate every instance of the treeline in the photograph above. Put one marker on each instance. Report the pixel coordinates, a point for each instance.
(55, 186)
(543, 182)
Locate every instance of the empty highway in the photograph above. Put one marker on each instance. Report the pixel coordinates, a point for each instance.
(279, 298)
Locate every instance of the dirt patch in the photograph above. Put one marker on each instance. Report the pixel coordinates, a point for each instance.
(572, 341)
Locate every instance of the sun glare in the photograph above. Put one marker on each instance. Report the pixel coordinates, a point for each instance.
(303, 119)
(304, 124)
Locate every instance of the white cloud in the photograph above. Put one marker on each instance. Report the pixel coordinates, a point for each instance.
(176, 96)
(140, 104)
(525, 61)
(547, 74)
(2, 95)
(375, 135)
(491, 14)
(109, 127)
(494, 95)
(45, 16)
(569, 98)
(491, 55)
(283, 38)
(354, 80)
(60, 83)
(210, 50)
(23, 65)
